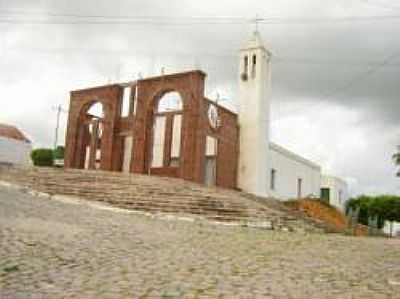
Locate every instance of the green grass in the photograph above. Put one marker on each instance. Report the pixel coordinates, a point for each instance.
(10, 269)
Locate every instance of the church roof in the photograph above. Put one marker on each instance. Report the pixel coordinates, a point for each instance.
(12, 132)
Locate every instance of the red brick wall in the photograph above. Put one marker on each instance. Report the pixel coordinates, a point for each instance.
(195, 128)
(227, 135)
(81, 101)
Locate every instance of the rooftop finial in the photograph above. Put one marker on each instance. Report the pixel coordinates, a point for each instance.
(256, 20)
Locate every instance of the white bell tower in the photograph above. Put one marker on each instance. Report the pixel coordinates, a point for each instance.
(254, 116)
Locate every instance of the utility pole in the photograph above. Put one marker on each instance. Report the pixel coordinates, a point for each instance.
(58, 109)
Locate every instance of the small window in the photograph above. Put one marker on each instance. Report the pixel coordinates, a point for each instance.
(273, 179)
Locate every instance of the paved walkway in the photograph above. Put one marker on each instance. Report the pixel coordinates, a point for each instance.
(51, 249)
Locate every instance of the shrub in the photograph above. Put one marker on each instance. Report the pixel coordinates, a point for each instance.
(42, 157)
(384, 207)
(59, 153)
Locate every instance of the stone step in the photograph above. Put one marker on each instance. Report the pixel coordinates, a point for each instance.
(159, 195)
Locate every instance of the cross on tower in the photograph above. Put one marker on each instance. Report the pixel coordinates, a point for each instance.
(256, 20)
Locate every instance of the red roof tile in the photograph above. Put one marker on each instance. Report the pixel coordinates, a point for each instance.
(13, 133)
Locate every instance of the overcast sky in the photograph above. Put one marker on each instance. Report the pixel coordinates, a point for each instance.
(336, 68)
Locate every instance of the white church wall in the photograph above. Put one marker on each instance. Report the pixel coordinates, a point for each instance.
(15, 151)
(289, 168)
(338, 191)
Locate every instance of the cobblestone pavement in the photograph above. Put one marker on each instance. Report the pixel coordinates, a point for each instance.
(54, 249)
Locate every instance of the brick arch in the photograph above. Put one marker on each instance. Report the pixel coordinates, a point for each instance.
(159, 93)
(89, 104)
(190, 87)
(171, 165)
(81, 101)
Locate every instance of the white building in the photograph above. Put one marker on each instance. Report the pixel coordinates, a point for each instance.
(15, 148)
(265, 168)
(395, 229)
(334, 190)
(292, 176)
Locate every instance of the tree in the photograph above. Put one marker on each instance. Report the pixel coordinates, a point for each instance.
(364, 204)
(391, 211)
(396, 159)
(59, 153)
(383, 208)
(42, 157)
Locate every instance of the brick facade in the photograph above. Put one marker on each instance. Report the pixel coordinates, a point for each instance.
(144, 97)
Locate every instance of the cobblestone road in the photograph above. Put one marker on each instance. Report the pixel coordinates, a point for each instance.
(52, 249)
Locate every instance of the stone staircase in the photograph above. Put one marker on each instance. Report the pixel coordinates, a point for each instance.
(163, 195)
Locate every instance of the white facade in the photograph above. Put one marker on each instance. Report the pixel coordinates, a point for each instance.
(254, 119)
(292, 176)
(396, 229)
(13, 151)
(338, 191)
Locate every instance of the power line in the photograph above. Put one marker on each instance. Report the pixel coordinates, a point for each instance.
(219, 55)
(71, 19)
(382, 5)
(337, 62)
(294, 21)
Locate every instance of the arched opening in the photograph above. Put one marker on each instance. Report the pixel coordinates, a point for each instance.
(170, 102)
(96, 110)
(93, 127)
(254, 66)
(167, 131)
(246, 64)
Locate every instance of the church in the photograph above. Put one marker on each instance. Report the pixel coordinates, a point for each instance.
(166, 126)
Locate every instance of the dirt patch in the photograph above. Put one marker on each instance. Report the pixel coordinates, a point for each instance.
(320, 211)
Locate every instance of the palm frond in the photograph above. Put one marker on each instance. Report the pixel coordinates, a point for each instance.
(396, 159)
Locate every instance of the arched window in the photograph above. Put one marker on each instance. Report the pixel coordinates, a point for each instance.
(170, 102)
(167, 129)
(96, 110)
(246, 65)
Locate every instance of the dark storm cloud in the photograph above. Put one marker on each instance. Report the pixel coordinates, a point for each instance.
(338, 80)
